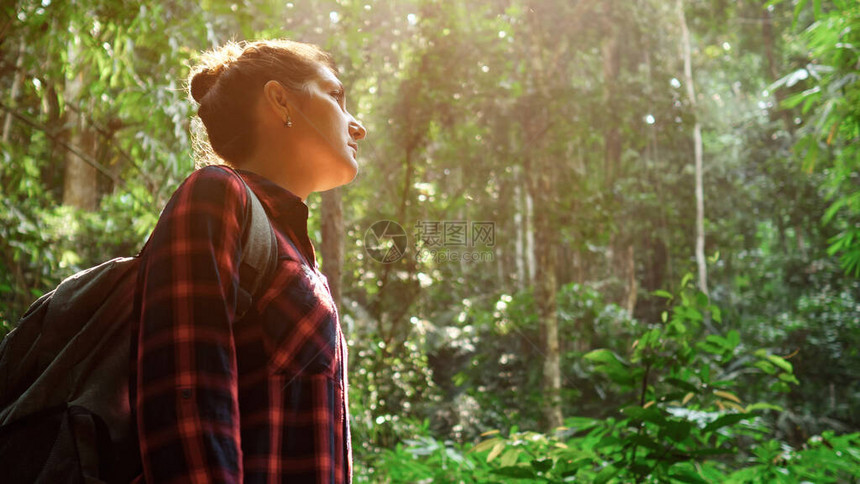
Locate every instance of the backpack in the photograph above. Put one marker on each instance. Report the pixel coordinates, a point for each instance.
(65, 414)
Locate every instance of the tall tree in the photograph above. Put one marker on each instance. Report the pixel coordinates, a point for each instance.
(79, 188)
(686, 50)
(332, 241)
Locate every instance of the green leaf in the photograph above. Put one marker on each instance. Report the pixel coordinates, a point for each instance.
(677, 430)
(712, 451)
(716, 314)
(542, 465)
(762, 406)
(521, 471)
(602, 356)
(651, 414)
(683, 385)
(734, 339)
(510, 457)
(644, 441)
(797, 9)
(781, 363)
(605, 474)
(765, 366)
(788, 378)
(687, 475)
(726, 420)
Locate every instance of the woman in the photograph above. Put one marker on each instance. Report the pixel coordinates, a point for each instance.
(261, 399)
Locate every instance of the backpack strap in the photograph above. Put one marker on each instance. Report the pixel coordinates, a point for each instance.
(259, 249)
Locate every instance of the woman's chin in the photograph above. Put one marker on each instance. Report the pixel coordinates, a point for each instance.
(350, 172)
(348, 175)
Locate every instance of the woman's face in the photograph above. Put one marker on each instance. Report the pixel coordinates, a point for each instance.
(326, 133)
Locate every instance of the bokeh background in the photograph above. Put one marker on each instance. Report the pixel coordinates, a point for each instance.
(622, 237)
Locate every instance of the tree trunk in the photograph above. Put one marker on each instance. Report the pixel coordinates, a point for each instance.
(697, 147)
(13, 92)
(546, 261)
(621, 261)
(332, 241)
(612, 134)
(80, 179)
(530, 238)
(519, 241)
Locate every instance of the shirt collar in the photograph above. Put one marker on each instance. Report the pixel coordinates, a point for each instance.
(281, 203)
(285, 209)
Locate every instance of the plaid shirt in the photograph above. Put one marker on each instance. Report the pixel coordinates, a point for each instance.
(262, 399)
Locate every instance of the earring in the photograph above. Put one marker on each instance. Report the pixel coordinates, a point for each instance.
(288, 122)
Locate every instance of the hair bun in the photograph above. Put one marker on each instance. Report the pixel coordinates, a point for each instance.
(203, 81)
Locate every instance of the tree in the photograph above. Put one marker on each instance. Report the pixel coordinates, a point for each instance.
(697, 148)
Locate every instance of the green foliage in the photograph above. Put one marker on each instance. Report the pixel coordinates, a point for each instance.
(684, 420)
(830, 98)
(463, 103)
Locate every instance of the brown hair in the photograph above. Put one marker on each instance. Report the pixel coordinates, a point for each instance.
(227, 80)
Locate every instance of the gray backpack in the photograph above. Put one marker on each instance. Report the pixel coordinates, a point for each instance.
(65, 415)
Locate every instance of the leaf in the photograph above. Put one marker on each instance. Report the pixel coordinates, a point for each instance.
(734, 339)
(765, 366)
(790, 80)
(795, 99)
(454, 455)
(662, 293)
(497, 449)
(712, 451)
(762, 406)
(677, 430)
(727, 396)
(780, 362)
(687, 475)
(542, 465)
(602, 356)
(797, 9)
(605, 474)
(489, 432)
(716, 314)
(485, 445)
(788, 378)
(686, 279)
(644, 441)
(650, 414)
(687, 398)
(726, 420)
(733, 405)
(518, 471)
(510, 457)
(606, 441)
(683, 385)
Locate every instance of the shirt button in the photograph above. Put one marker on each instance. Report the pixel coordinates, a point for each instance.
(186, 393)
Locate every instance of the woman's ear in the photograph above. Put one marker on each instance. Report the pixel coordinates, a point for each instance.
(278, 99)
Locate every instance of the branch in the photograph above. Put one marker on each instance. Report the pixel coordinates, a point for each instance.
(83, 156)
(49, 133)
(105, 133)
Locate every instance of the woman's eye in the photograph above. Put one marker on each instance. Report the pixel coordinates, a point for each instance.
(338, 95)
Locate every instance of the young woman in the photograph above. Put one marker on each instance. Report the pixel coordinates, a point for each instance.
(262, 398)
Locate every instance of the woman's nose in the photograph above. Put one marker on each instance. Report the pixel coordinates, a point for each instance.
(356, 130)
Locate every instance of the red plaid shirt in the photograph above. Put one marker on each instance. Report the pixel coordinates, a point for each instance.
(262, 399)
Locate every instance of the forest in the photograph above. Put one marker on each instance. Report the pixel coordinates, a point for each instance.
(589, 240)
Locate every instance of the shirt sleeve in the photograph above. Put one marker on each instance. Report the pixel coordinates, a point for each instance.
(187, 402)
